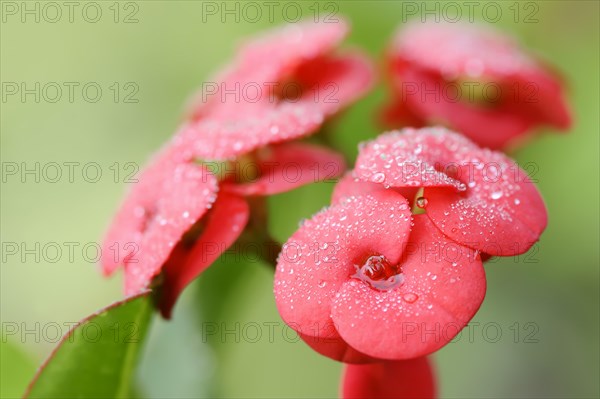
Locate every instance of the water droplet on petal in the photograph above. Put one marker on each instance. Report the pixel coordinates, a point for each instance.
(378, 177)
(379, 273)
(410, 297)
(422, 202)
(496, 195)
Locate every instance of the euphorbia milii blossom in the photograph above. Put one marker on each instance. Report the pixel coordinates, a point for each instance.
(170, 222)
(472, 79)
(282, 86)
(365, 280)
(401, 379)
(477, 197)
(190, 203)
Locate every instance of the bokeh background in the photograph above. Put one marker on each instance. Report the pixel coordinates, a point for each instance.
(552, 295)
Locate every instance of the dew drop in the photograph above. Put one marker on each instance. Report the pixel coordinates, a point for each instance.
(410, 297)
(379, 273)
(496, 195)
(378, 177)
(322, 283)
(422, 202)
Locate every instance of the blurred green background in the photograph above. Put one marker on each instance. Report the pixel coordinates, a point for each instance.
(167, 53)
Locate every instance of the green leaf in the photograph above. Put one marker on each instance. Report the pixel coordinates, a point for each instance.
(97, 357)
(16, 368)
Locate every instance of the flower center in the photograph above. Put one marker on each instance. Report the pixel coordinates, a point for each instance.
(379, 273)
(244, 169)
(477, 92)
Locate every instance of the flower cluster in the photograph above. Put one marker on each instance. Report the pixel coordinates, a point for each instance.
(392, 270)
(195, 191)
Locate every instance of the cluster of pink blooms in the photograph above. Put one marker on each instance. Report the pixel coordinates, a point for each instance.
(392, 270)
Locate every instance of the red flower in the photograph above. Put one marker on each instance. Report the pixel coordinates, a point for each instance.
(479, 198)
(256, 103)
(189, 205)
(364, 280)
(404, 379)
(170, 222)
(473, 79)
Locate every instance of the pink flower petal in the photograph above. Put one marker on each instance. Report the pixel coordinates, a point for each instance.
(404, 379)
(336, 81)
(424, 55)
(412, 158)
(501, 212)
(444, 285)
(460, 49)
(317, 260)
(168, 198)
(234, 125)
(224, 224)
(334, 347)
(349, 186)
(218, 138)
(287, 166)
(284, 48)
(478, 197)
(491, 127)
(174, 199)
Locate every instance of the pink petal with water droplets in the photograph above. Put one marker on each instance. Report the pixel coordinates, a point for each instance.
(268, 59)
(284, 48)
(501, 213)
(321, 255)
(164, 191)
(404, 379)
(349, 186)
(444, 285)
(287, 166)
(460, 49)
(236, 126)
(224, 224)
(179, 196)
(215, 137)
(234, 92)
(412, 158)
